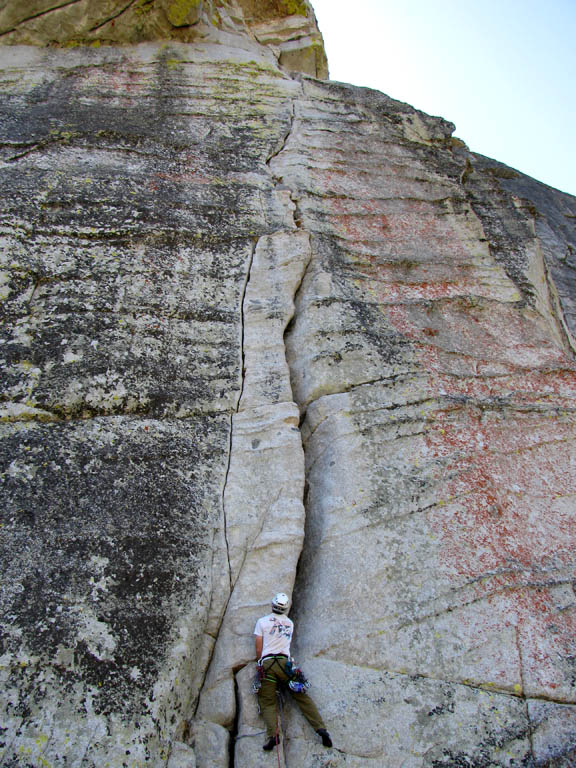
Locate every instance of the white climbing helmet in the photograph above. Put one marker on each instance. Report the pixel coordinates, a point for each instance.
(280, 603)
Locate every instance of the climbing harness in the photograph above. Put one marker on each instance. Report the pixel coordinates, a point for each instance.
(298, 682)
(261, 673)
(269, 673)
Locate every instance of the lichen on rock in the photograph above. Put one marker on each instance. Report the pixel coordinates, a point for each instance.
(265, 332)
(182, 13)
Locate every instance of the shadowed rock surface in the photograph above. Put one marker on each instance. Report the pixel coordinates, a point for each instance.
(266, 332)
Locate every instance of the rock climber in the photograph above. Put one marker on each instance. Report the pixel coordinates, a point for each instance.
(273, 634)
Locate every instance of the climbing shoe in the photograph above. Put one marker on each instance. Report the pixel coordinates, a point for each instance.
(271, 743)
(326, 740)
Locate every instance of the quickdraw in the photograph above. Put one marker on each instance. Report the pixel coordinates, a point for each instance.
(298, 681)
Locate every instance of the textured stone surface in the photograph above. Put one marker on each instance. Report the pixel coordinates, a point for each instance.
(297, 43)
(434, 377)
(551, 215)
(288, 27)
(77, 22)
(264, 333)
(134, 211)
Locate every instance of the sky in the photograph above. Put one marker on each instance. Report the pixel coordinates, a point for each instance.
(504, 71)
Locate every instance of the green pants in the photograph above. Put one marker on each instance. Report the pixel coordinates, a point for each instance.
(274, 674)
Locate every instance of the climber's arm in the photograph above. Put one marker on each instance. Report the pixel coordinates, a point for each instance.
(259, 641)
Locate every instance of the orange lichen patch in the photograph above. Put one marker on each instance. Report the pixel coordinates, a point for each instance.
(468, 431)
(435, 289)
(504, 523)
(493, 331)
(363, 226)
(123, 83)
(520, 639)
(400, 281)
(398, 273)
(504, 529)
(546, 632)
(545, 638)
(503, 517)
(406, 227)
(503, 449)
(488, 351)
(533, 389)
(357, 186)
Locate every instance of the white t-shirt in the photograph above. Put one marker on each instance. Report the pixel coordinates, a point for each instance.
(276, 631)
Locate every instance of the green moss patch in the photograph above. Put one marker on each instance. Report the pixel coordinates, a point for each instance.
(293, 7)
(183, 12)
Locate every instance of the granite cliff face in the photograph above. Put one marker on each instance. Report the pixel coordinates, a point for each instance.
(266, 332)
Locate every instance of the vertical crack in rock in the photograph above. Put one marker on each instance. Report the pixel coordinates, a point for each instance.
(411, 281)
(523, 696)
(224, 487)
(243, 323)
(264, 485)
(277, 174)
(232, 414)
(424, 375)
(235, 727)
(284, 140)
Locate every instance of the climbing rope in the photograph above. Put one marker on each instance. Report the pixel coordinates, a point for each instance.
(278, 705)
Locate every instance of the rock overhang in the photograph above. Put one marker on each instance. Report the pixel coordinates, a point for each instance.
(288, 27)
